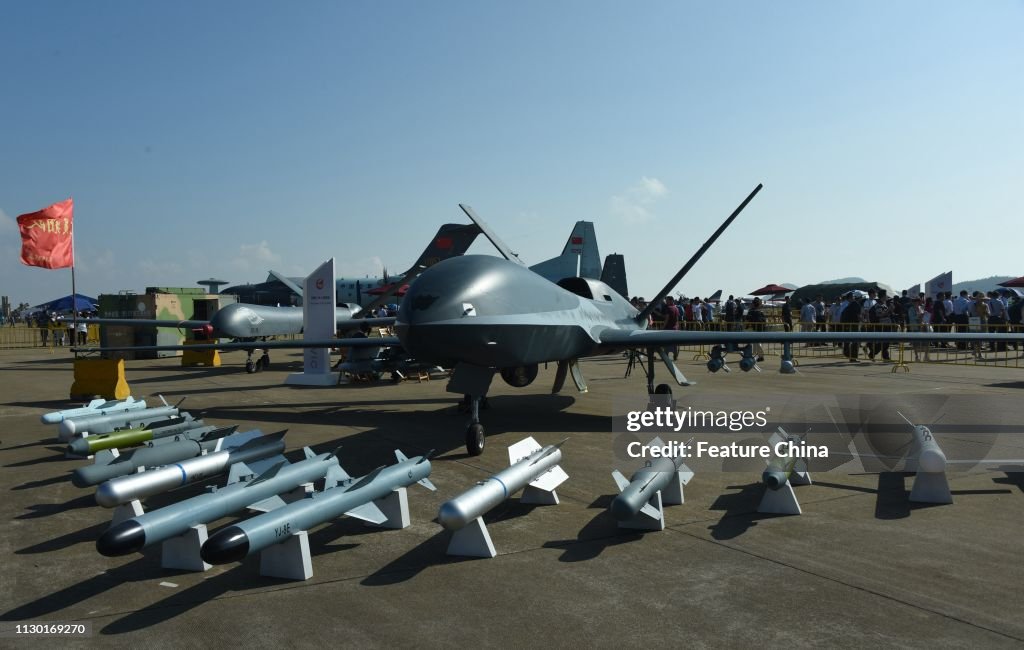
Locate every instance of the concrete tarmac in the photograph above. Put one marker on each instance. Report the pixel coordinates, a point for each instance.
(862, 567)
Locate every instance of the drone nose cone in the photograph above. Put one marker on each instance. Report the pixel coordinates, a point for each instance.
(228, 545)
(230, 321)
(122, 539)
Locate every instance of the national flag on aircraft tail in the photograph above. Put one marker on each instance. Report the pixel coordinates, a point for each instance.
(444, 242)
(576, 241)
(46, 236)
(942, 282)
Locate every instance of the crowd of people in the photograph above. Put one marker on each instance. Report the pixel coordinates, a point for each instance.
(58, 329)
(852, 312)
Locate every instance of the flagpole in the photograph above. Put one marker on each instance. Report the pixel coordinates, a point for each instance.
(74, 293)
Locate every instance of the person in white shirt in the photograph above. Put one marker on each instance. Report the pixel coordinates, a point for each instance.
(697, 309)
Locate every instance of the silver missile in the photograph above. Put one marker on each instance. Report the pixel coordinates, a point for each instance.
(155, 454)
(538, 468)
(95, 407)
(161, 479)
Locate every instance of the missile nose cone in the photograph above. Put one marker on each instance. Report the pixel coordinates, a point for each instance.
(78, 479)
(105, 495)
(122, 539)
(774, 480)
(79, 447)
(621, 509)
(228, 545)
(451, 516)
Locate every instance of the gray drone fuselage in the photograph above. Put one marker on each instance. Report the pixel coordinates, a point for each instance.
(491, 312)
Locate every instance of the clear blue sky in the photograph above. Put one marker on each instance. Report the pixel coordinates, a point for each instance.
(227, 138)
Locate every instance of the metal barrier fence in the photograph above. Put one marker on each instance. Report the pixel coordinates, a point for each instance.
(22, 337)
(1007, 355)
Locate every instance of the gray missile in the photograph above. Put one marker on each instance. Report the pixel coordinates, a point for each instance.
(153, 431)
(249, 449)
(95, 407)
(780, 466)
(350, 497)
(926, 455)
(538, 468)
(258, 493)
(784, 470)
(105, 423)
(636, 493)
(155, 454)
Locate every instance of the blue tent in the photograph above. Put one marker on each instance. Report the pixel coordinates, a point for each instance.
(81, 303)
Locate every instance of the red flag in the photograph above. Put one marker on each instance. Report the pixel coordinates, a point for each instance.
(46, 236)
(576, 241)
(443, 242)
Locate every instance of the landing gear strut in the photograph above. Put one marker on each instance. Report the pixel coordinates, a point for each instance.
(251, 365)
(475, 435)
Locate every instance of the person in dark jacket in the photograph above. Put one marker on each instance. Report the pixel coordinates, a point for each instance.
(756, 321)
(849, 320)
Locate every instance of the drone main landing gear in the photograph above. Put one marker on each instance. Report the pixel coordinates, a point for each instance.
(472, 382)
(255, 365)
(475, 433)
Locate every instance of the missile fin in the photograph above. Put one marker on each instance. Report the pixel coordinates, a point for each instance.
(246, 439)
(268, 504)
(308, 453)
(368, 512)
(400, 456)
(219, 432)
(366, 480)
(238, 471)
(620, 480)
(426, 482)
(650, 511)
(656, 442)
(335, 474)
(522, 449)
(263, 464)
(270, 473)
(550, 479)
